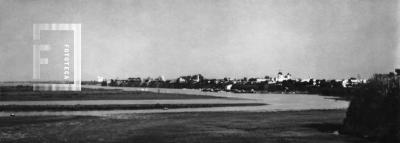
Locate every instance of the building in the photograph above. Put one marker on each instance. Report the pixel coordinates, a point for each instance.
(280, 77)
(135, 81)
(351, 82)
(181, 80)
(160, 79)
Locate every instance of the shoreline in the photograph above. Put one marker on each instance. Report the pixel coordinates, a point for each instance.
(23, 108)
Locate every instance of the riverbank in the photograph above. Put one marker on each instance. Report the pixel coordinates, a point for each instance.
(312, 126)
(26, 93)
(97, 95)
(17, 108)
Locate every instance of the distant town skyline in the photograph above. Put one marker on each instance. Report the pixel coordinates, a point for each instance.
(331, 39)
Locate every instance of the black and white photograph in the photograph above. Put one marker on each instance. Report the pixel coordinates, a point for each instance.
(199, 71)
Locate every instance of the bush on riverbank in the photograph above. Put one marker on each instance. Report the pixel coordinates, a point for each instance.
(375, 110)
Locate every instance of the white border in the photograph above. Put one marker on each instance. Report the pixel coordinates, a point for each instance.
(76, 28)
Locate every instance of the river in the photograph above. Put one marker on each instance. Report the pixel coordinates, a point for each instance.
(276, 102)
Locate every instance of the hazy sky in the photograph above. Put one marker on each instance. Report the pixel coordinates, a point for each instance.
(217, 38)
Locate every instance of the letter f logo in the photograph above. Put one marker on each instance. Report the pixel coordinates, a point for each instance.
(37, 60)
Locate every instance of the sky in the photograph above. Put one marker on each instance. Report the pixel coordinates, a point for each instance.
(216, 38)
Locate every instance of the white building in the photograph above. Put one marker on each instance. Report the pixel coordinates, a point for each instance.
(280, 77)
(352, 81)
(161, 78)
(196, 78)
(100, 79)
(228, 87)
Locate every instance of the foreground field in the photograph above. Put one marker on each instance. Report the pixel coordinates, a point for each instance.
(227, 127)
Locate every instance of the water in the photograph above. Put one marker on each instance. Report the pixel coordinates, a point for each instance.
(276, 102)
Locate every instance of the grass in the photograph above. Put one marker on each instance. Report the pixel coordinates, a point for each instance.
(314, 126)
(25, 93)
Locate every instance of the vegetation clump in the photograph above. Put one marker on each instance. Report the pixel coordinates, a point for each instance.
(374, 111)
